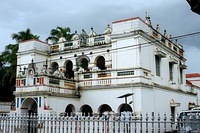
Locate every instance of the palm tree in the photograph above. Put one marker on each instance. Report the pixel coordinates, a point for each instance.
(58, 33)
(24, 35)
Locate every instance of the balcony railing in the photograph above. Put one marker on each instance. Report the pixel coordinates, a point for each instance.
(45, 84)
(70, 45)
(43, 89)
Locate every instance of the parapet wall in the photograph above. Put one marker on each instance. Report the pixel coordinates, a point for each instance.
(128, 25)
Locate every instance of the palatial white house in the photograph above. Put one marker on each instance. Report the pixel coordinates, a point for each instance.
(130, 67)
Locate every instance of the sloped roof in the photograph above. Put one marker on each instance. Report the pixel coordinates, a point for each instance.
(191, 84)
(191, 75)
(188, 82)
(128, 19)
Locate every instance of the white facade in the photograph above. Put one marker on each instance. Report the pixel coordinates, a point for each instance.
(89, 73)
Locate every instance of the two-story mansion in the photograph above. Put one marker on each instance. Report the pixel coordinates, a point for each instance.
(131, 66)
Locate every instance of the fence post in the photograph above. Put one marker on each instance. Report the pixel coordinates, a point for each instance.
(106, 119)
(147, 118)
(165, 119)
(152, 119)
(158, 123)
(135, 119)
(171, 123)
(197, 120)
(140, 122)
(88, 120)
(184, 124)
(113, 122)
(76, 124)
(93, 123)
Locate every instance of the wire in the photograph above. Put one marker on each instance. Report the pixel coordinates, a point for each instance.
(186, 35)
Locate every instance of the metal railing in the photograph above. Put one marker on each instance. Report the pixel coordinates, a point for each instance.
(126, 123)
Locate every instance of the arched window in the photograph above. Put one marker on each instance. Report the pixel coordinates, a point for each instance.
(103, 108)
(83, 61)
(69, 110)
(54, 67)
(86, 110)
(84, 64)
(69, 70)
(101, 63)
(125, 107)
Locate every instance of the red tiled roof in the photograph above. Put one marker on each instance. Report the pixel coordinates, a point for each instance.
(128, 19)
(188, 82)
(192, 75)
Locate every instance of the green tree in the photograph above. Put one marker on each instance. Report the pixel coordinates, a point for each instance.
(59, 32)
(24, 35)
(8, 63)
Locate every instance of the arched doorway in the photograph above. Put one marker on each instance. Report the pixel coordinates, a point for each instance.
(69, 70)
(54, 67)
(86, 110)
(84, 64)
(125, 107)
(69, 110)
(103, 108)
(83, 61)
(30, 106)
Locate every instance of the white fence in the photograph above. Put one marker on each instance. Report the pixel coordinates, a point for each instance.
(126, 123)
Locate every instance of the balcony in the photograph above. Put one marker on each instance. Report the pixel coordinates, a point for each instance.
(88, 42)
(45, 85)
(99, 40)
(106, 78)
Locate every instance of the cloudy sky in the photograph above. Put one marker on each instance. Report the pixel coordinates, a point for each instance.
(41, 16)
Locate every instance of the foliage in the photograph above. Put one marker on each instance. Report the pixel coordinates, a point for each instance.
(8, 60)
(24, 35)
(8, 63)
(58, 33)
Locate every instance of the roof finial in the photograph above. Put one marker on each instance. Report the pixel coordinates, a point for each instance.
(148, 20)
(170, 37)
(92, 32)
(176, 41)
(108, 29)
(165, 34)
(157, 28)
